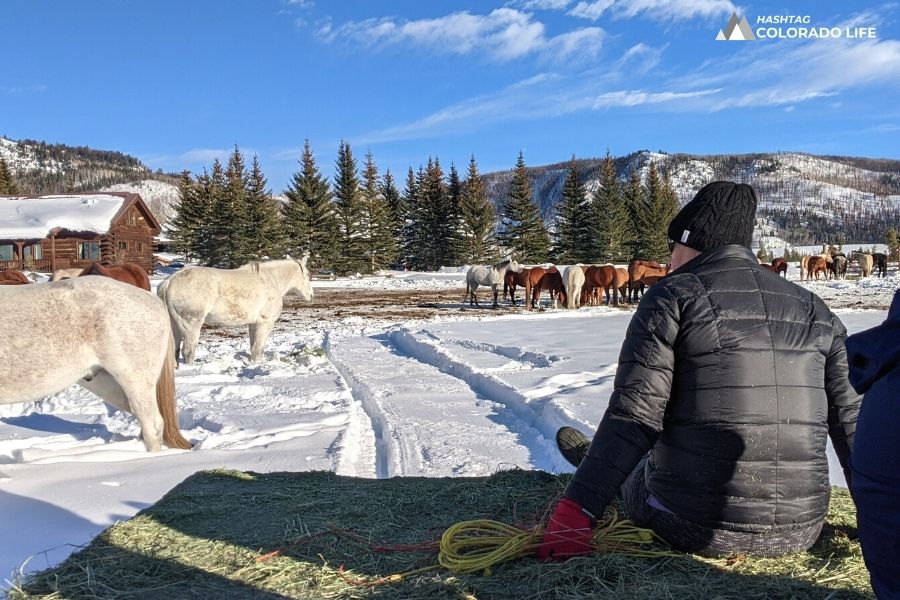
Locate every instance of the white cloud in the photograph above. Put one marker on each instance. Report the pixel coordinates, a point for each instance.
(640, 58)
(818, 69)
(591, 10)
(23, 89)
(660, 10)
(304, 4)
(639, 97)
(540, 97)
(502, 35)
(542, 4)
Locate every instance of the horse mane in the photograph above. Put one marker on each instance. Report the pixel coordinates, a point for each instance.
(94, 268)
(253, 266)
(503, 264)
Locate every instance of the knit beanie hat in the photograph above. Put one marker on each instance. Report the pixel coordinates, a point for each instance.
(721, 213)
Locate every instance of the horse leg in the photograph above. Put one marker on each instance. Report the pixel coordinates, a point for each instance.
(191, 337)
(132, 388)
(496, 290)
(259, 335)
(104, 386)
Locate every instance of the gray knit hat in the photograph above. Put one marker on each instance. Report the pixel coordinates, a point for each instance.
(721, 213)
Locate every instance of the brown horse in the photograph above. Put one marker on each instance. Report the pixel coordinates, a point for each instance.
(638, 270)
(533, 283)
(551, 281)
(622, 280)
(126, 272)
(512, 280)
(814, 266)
(10, 277)
(780, 266)
(600, 277)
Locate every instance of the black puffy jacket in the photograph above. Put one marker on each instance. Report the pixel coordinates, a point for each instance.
(734, 377)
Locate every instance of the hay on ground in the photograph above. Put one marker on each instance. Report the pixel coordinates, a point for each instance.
(229, 534)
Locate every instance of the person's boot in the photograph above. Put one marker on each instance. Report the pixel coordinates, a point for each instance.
(572, 444)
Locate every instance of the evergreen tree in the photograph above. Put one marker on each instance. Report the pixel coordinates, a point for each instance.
(666, 210)
(454, 216)
(433, 218)
(349, 211)
(523, 231)
(893, 244)
(211, 190)
(378, 242)
(478, 219)
(191, 216)
(396, 207)
(635, 209)
(410, 226)
(230, 229)
(310, 223)
(263, 217)
(572, 220)
(609, 216)
(7, 182)
(662, 207)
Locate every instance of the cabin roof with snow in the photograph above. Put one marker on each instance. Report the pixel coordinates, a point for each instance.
(36, 217)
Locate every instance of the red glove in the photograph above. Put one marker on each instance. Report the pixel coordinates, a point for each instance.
(568, 532)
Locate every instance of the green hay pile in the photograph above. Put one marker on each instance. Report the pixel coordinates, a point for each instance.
(228, 534)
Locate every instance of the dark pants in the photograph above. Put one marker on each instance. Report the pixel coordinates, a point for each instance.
(697, 539)
(878, 517)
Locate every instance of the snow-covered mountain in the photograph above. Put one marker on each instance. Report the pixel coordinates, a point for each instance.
(161, 196)
(804, 199)
(42, 168)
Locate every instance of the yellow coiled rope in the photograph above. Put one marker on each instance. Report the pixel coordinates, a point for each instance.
(478, 545)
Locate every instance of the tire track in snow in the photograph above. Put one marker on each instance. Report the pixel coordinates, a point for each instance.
(542, 417)
(526, 357)
(363, 398)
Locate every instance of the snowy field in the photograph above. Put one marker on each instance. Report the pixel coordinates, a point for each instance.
(462, 392)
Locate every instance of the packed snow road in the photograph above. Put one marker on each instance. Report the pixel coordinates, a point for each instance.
(377, 380)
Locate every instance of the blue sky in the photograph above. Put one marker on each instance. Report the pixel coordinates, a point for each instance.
(177, 83)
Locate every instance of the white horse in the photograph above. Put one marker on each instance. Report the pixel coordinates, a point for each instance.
(865, 262)
(490, 276)
(109, 337)
(60, 274)
(250, 295)
(573, 280)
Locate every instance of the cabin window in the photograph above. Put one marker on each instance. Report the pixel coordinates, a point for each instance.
(123, 245)
(34, 251)
(7, 252)
(89, 250)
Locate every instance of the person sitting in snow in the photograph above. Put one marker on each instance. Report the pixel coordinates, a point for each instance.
(729, 381)
(874, 357)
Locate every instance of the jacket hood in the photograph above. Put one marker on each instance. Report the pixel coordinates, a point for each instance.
(873, 353)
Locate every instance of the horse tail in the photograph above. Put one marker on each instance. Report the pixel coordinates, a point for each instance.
(165, 400)
(162, 290)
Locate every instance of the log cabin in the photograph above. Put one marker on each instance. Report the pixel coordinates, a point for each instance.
(50, 232)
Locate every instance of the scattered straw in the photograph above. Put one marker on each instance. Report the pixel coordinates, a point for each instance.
(225, 534)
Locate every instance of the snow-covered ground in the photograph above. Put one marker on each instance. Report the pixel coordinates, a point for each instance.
(466, 393)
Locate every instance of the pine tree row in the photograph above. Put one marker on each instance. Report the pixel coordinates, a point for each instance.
(361, 222)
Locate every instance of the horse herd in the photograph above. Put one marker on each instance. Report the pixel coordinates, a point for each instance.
(578, 285)
(102, 330)
(834, 264)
